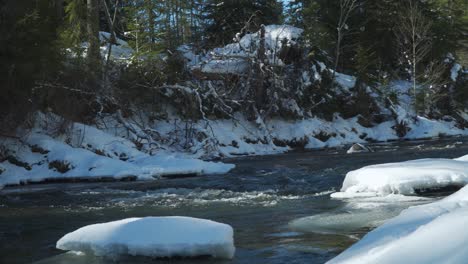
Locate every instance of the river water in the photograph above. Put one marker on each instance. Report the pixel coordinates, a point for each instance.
(279, 206)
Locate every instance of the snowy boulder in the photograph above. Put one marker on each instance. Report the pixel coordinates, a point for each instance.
(358, 148)
(431, 233)
(404, 177)
(153, 237)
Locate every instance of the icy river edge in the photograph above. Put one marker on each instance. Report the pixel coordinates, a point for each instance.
(261, 198)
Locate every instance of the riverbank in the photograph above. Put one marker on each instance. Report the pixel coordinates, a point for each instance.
(259, 199)
(108, 151)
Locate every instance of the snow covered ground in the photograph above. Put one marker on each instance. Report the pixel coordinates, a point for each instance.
(109, 151)
(431, 233)
(87, 152)
(153, 237)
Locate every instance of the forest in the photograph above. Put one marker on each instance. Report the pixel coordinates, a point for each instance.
(55, 60)
(233, 131)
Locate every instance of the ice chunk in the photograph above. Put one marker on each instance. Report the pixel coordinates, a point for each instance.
(405, 177)
(153, 237)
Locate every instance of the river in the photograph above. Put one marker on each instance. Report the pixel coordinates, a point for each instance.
(279, 206)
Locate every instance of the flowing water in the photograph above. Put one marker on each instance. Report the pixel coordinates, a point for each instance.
(279, 206)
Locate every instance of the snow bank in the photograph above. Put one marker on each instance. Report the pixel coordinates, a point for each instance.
(92, 153)
(404, 177)
(153, 237)
(431, 233)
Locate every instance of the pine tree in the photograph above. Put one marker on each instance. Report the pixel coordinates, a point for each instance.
(28, 52)
(229, 17)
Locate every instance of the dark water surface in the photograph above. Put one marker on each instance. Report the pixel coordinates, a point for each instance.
(279, 206)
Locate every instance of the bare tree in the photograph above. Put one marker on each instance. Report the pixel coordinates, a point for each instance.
(347, 7)
(413, 38)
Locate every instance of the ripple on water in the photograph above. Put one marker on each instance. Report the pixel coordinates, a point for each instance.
(177, 197)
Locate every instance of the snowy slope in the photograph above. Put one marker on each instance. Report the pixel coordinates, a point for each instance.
(431, 233)
(153, 237)
(88, 152)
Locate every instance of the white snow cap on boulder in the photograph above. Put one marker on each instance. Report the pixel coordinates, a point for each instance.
(153, 237)
(404, 177)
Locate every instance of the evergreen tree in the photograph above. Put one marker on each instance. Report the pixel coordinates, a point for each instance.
(28, 52)
(229, 17)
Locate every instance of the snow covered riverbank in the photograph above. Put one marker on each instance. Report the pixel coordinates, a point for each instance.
(108, 150)
(87, 153)
(431, 233)
(408, 237)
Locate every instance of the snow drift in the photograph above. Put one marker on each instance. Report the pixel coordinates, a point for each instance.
(431, 233)
(153, 237)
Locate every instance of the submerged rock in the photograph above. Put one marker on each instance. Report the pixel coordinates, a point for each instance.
(358, 148)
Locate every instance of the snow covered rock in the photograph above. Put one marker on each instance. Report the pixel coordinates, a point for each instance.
(153, 237)
(404, 177)
(358, 148)
(431, 233)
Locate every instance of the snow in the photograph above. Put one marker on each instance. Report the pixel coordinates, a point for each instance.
(234, 58)
(121, 51)
(431, 233)
(88, 152)
(153, 237)
(345, 81)
(189, 54)
(454, 71)
(237, 66)
(108, 151)
(404, 177)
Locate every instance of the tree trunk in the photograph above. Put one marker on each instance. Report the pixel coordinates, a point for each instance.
(59, 8)
(92, 28)
(151, 17)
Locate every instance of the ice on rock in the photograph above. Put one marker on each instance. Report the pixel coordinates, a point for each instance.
(153, 237)
(404, 177)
